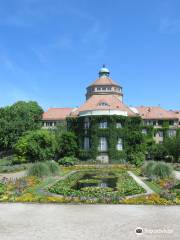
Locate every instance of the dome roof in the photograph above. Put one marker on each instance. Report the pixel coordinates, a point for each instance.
(104, 71)
(104, 81)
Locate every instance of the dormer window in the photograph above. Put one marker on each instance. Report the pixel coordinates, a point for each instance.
(102, 104)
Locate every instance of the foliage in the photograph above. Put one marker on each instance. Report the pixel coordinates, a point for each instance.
(90, 181)
(101, 190)
(130, 132)
(136, 158)
(68, 161)
(35, 146)
(38, 169)
(158, 152)
(156, 170)
(67, 145)
(173, 147)
(17, 119)
(149, 199)
(53, 167)
(125, 186)
(13, 168)
(2, 188)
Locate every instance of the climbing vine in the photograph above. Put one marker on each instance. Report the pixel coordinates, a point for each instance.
(130, 133)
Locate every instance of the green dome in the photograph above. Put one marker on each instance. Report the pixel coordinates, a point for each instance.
(104, 71)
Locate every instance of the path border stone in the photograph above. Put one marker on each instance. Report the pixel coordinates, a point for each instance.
(142, 184)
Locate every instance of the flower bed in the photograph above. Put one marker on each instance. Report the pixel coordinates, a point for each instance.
(125, 185)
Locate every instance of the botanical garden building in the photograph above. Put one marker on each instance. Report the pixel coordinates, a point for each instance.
(106, 127)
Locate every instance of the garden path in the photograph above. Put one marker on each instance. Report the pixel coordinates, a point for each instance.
(13, 175)
(87, 222)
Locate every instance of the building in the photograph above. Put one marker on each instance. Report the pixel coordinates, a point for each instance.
(104, 110)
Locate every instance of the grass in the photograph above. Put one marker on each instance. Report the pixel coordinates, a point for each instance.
(153, 186)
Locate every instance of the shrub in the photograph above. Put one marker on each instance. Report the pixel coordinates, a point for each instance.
(147, 168)
(2, 188)
(39, 170)
(163, 170)
(156, 170)
(53, 167)
(67, 145)
(68, 161)
(158, 152)
(36, 146)
(137, 158)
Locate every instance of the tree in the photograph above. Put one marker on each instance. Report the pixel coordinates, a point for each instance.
(35, 146)
(17, 119)
(173, 147)
(158, 152)
(67, 145)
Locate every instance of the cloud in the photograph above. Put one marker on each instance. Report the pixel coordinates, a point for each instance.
(170, 26)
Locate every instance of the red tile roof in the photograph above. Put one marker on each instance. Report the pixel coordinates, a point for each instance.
(177, 113)
(104, 80)
(112, 101)
(155, 113)
(57, 113)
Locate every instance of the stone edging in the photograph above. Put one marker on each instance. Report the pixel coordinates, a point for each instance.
(142, 184)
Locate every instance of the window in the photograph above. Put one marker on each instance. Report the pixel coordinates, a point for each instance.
(86, 123)
(49, 124)
(119, 145)
(103, 124)
(104, 88)
(160, 134)
(109, 88)
(98, 89)
(171, 133)
(102, 144)
(144, 131)
(118, 125)
(86, 143)
(103, 104)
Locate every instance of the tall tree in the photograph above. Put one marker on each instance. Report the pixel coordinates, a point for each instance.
(17, 119)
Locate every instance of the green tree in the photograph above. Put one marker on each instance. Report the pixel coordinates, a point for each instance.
(173, 147)
(17, 119)
(67, 145)
(35, 146)
(158, 152)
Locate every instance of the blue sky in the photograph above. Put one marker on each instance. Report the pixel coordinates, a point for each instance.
(50, 50)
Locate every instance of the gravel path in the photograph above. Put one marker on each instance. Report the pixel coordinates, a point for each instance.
(13, 175)
(88, 222)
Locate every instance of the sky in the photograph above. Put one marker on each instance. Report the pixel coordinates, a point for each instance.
(51, 50)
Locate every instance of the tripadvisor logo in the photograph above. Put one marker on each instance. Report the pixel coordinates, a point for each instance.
(138, 230)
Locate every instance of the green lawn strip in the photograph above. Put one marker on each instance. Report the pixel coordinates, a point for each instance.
(5, 161)
(46, 182)
(153, 186)
(157, 189)
(136, 171)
